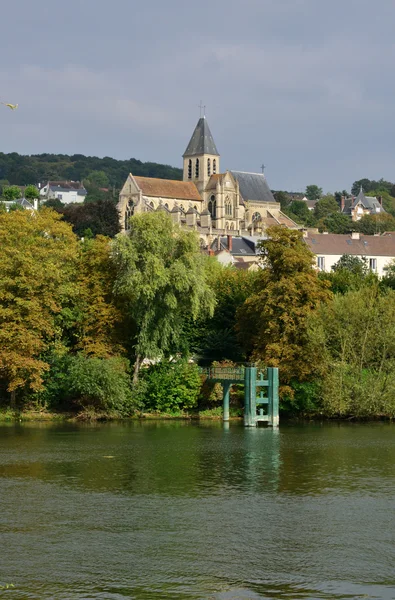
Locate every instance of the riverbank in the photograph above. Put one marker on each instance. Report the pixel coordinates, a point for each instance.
(28, 415)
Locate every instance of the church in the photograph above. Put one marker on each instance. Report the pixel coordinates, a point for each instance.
(213, 203)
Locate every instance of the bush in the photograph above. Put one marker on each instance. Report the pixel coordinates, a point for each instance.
(169, 386)
(103, 384)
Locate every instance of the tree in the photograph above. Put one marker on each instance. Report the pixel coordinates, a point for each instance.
(336, 223)
(313, 192)
(99, 325)
(215, 338)
(161, 280)
(379, 223)
(273, 321)
(353, 342)
(283, 198)
(349, 273)
(325, 207)
(11, 193)
(31, 192)
(101, 217)
(98, 179)
(37, 274)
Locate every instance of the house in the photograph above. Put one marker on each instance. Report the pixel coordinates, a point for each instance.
(239, 251)
(361, 205)
(66, 191)
(26, 204)
(211, 202)
(378, 250)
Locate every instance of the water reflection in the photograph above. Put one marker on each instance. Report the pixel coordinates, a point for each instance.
(182, 510)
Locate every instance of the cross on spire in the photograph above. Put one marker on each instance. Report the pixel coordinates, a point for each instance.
(202, 108)
(263, 167)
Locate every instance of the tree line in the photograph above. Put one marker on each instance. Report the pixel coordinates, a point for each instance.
(106, 326)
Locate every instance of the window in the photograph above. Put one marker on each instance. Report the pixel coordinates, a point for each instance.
(214, 165)
(128, 213)
(189, 169)
(256, 216)
(130, 188)
(228, 208)
(197, 168)
(321, 263)
(212, 207)
(373, 264)
(208, 167)
(60, 196)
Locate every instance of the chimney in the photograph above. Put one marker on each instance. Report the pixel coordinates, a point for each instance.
(342, 203)
(35, 203)
(230, 243)
(211, 252)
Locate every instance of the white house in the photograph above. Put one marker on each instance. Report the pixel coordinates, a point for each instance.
(67, 192)
(378, 250)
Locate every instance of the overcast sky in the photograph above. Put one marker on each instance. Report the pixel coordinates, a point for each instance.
(306, 87)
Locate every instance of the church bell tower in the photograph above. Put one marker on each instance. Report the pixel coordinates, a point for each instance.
(201, 158)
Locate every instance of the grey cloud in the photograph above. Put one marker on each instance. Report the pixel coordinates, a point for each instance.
(302, 85)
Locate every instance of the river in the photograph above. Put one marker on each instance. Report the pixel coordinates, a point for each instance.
(176, 510)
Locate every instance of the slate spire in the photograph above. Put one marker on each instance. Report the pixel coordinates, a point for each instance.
(202, 141)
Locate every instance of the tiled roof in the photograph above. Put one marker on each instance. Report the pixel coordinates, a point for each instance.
(202, 141)
(168, 188)
(212, 182)
(253, 186)
(66, 186)
(338, 244)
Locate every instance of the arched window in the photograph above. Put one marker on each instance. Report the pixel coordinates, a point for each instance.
(232, 226)
(208, 167)
(214, 165)
(151, 205)
(167, 206)
(256, 216)
(128, 213)
(228, 208)
(197, 168)
(189, 169)
(212, 207)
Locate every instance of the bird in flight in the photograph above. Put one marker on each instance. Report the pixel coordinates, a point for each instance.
(11, 106)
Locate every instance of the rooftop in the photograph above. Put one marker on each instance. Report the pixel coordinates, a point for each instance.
(253, 186)
(339, 244)
(168, 188)
(202, 141)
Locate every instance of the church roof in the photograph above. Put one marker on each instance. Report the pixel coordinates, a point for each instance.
(167, 188)
(253, 186)
(202, 141)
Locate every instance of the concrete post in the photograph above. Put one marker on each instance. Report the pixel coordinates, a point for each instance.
(250, 397)
(273, 407)
(226, 389)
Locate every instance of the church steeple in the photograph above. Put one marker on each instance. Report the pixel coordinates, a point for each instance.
(202, 141)
(201, 158)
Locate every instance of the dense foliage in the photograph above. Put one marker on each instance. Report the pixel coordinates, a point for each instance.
(24, 170)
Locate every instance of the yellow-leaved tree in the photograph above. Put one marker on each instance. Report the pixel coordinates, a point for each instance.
(37, 278)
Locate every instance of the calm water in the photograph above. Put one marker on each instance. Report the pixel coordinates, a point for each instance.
(177, 510)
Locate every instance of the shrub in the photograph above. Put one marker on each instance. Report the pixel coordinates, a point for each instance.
(169, 386)
(103, 384)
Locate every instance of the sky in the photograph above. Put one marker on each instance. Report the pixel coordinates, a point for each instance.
(305, 87)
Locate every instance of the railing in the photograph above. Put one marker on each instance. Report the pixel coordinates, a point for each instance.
(223, 373)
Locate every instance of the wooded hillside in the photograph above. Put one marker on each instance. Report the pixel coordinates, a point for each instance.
(17, 169)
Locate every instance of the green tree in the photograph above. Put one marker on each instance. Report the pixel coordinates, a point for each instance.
(12, 192)
(37, 274)
(98, 179)
(283, 198)
(371, 224)
(349, 273)
(353, 342)
(336, 223)
(161, 279)
(313, 192)
(325, 207)
(31, 192)
(273, 321)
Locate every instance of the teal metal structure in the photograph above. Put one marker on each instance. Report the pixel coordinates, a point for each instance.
(257, 408)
